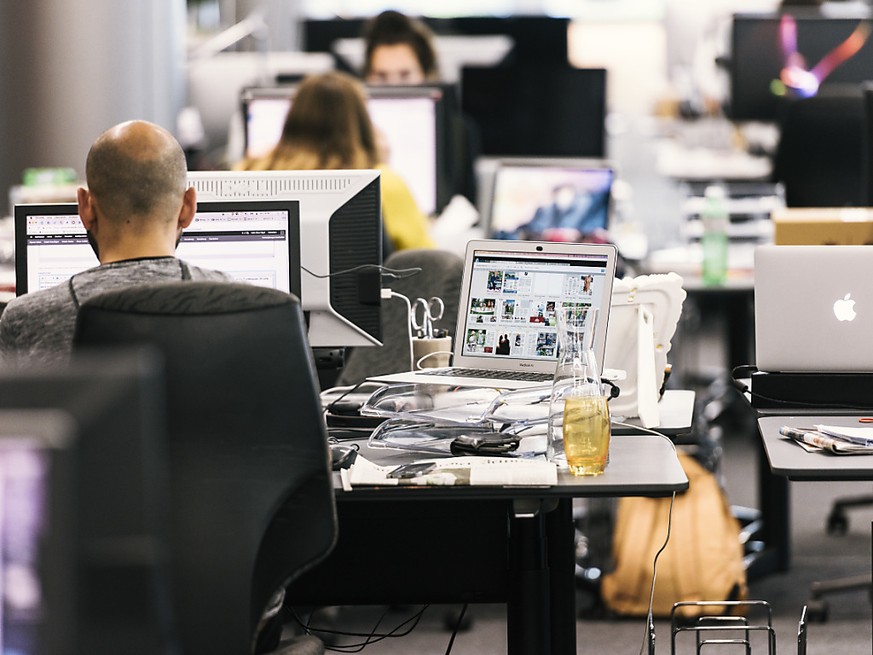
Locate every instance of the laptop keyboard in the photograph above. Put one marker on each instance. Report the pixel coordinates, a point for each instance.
(487, 373)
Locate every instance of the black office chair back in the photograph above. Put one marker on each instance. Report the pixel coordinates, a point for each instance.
(250, 484)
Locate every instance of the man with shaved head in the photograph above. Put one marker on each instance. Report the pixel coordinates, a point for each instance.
(134, 210)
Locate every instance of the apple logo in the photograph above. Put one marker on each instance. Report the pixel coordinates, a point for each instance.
(844, 309)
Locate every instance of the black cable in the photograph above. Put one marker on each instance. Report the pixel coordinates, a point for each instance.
(457, 627)
(396, 273)
(332, 404)
(371, 637)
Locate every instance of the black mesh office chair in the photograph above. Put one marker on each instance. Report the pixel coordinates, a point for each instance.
(250, 483)
(440, 275)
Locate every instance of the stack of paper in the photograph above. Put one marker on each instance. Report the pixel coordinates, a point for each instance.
(482, 471)
(837, 439)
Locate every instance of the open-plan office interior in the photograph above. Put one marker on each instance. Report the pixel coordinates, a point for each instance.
(694, 134)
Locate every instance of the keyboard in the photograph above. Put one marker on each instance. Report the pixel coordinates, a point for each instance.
(488, 373)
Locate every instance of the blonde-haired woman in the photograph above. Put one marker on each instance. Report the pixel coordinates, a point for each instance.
(328, 127)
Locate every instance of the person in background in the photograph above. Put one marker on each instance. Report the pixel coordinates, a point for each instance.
(328, 128)
(399, 51)
(134, 210)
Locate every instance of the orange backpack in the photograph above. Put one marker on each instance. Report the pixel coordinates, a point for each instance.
(702, 561)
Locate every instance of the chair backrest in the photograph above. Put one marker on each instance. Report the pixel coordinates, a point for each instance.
(441, 273)
(250, 483)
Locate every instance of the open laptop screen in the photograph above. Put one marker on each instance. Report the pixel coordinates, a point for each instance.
(551, 201)
(253, 241)
(510, 305)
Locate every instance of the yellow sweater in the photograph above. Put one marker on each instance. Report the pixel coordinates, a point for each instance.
(404, 223)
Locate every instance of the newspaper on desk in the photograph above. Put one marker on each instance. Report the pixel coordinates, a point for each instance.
(452, 471)
(837, 439)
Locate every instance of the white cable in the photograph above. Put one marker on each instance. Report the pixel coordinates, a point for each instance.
(418, 362)
(650, 622)
(650, 626)
(394, 294)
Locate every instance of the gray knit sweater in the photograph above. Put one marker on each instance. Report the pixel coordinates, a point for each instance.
(38, 327)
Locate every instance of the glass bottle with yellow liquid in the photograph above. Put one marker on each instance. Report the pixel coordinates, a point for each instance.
(578, 434)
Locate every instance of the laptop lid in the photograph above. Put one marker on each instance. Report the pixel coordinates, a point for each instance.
(549, 199)
(511, 290)
(814, 308)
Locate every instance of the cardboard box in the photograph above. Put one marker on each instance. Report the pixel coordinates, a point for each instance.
(842, 226)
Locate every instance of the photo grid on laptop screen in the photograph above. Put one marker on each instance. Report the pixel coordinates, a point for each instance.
(252, 245)
(513, 299)
(555, 202)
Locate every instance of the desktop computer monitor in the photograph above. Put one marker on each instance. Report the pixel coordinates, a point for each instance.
(534, 38)
(255, 242)
(256, 232)
(549, 199)
(412, 121)
(37, 528)
(537, 111)
(776, 58)
(340, 243)
(118, 503)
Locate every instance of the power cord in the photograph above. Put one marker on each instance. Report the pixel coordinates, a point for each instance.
(458, 625)
(420, 360)
(649, 637)
(372, 637)
(394, 294)
(395, 273)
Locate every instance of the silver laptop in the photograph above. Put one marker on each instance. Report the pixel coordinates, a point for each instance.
(510, 292)
(814, 308)
(547, 198)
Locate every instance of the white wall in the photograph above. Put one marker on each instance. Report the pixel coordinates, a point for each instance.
(69, 69)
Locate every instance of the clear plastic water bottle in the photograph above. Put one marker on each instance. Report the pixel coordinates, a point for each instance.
(715, 238)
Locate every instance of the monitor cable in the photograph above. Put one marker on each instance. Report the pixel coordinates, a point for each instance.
(458, 625)
(393, 273)
(390, 293)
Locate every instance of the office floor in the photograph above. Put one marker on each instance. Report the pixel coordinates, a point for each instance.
(816, 555)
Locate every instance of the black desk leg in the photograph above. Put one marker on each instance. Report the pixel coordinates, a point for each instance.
(774, 500)
(527, 611)
(561, 544)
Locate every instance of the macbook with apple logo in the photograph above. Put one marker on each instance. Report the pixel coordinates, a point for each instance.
(814, 308)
